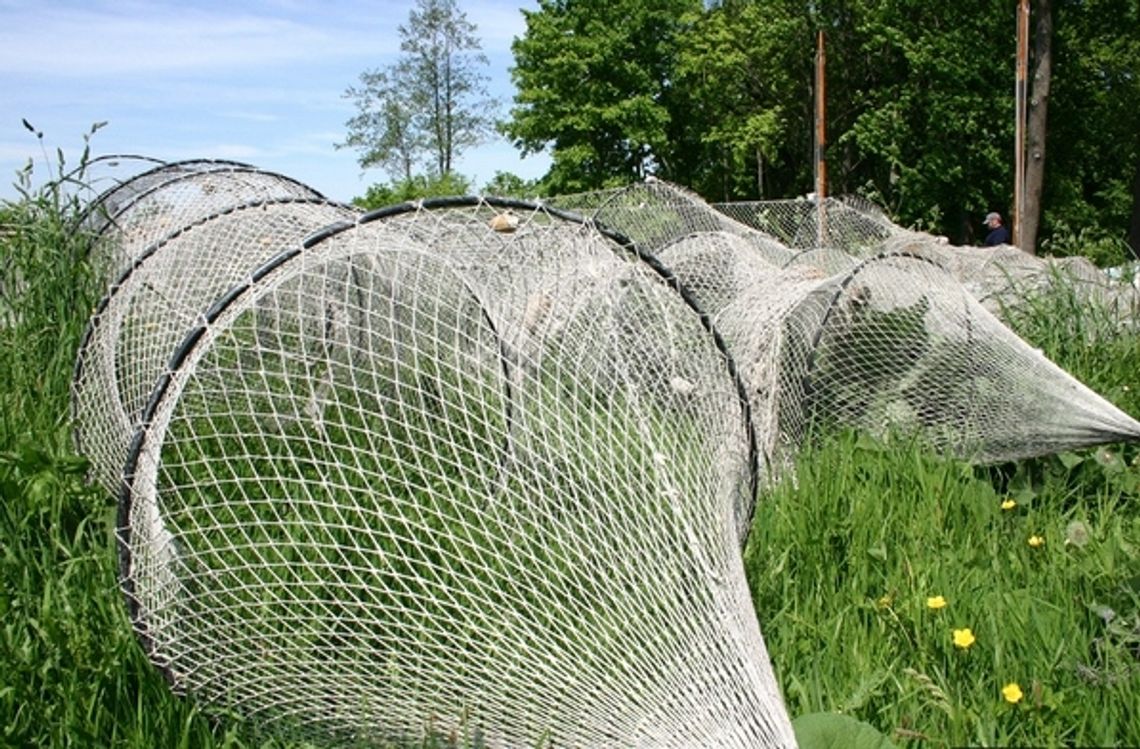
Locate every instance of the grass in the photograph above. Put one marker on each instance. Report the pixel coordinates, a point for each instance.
(72, 675)
(841, 561)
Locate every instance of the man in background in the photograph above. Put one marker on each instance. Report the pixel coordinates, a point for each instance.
(998, 233)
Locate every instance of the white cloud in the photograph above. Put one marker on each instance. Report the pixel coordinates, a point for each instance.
(498, 25)
(258, 81)
(149, 38)
(233, 151)
(252, 116)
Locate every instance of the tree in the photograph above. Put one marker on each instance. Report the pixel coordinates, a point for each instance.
(746, 67)
(416, 188)
(931, 132)
(1094, 124)
(383, 127)
(1035, 131)
(717, 96)
(1134, 222)
(509, 184)
(428, 107)
(932, 135)
(594, 84)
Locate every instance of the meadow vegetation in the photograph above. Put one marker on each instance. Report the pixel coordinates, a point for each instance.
(869, 568)
(942, 603)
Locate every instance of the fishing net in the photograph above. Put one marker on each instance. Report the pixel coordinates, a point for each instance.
(887, 343)
(101, 176)
(470, 465)
(1005, 280)
(152, 204)
(849, 224)
(897, 346)
(655, 213)
(481, 470)
(836, 233)
(162, 295)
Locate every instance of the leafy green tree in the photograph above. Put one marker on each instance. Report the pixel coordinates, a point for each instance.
(414, 188)
(747, 68)
(920, 104)
(382, 129)
(428, 107)
(931, 134)
(508, 184)
(1093, 168)
(921, 111)
(595, 85)
(907, 114)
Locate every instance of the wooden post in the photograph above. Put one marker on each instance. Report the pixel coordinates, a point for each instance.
(820, 139)
(1021, 105)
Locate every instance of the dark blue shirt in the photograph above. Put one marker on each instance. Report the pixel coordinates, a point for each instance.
(1000, 235)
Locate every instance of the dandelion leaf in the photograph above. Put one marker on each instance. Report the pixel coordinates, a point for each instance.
(835, 731)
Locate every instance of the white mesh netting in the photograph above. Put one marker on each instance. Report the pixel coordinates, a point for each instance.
(879, 333)
(162, 295)
(420, 468)
(136, 212)
(484, 468)
(99, 176)
(837, 232)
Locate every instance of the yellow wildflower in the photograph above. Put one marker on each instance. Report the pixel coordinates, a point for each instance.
(1036, 541)
(935, 602)
(1009, 504)
(1012, 693)
(963, 638)
(885, 601)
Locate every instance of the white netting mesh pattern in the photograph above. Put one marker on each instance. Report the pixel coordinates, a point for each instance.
(140, 175)
(101, 176)
(853, 226)
(423, 468)
(162, 296)
(485, 465)
(897, 344)
(150, 206)
(837, 232)
(873, 328)
(654, 214)
(1004, 278)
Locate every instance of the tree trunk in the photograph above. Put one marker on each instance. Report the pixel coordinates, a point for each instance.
(759, 173)
(1035, 128)
(1134, 225)
(725, 170)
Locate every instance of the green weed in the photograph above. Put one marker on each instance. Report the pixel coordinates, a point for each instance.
(844, 559)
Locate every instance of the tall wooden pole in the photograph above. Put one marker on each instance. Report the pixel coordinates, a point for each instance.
(1021, 105)
(820, 139)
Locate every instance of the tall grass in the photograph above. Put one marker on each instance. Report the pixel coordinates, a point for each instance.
(841, 561)
(71, 673)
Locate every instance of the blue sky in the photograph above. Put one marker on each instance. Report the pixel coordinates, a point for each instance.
(259, 81)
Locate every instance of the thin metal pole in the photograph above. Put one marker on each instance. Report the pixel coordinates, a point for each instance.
(1021, 104)
(820, 138)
